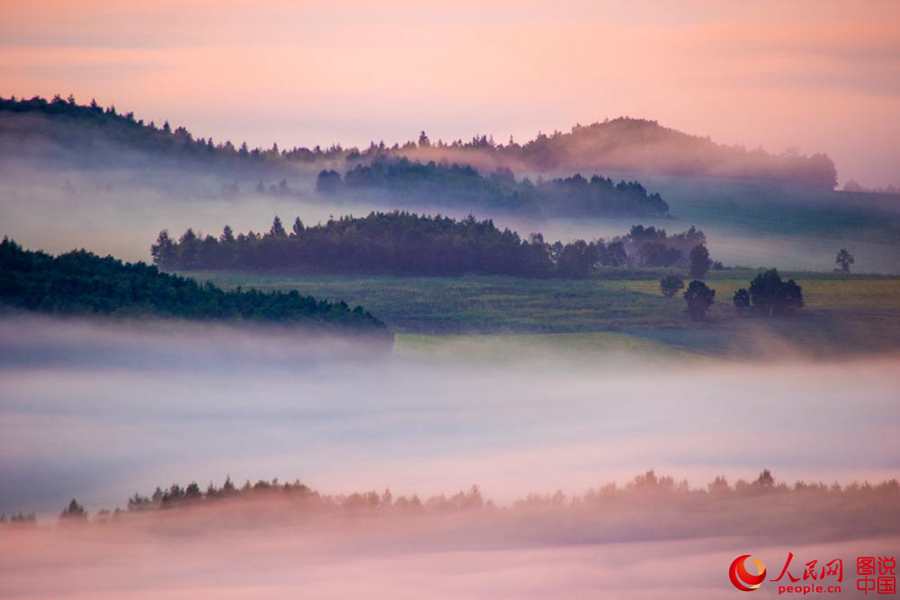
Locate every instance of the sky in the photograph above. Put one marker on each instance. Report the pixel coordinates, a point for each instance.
(815, 76)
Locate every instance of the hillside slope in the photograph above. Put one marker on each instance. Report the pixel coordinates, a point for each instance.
(82, 283)
(636, 146)
(62, 128)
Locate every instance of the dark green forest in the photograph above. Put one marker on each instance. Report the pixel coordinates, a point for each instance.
(79, 282)
(404, 243)
(442, 184)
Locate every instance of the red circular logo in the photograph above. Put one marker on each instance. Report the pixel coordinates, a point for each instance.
(743, 579)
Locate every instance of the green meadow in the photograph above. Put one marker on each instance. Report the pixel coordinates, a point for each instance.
(622, 311)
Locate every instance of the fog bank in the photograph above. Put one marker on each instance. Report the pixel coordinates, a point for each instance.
(102, 412)
(436, 557)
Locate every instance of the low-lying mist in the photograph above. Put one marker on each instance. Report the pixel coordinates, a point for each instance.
(102, 411)
(121, 211)
(282, 541)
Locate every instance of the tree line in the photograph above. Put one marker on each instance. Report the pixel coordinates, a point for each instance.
(191, 495)
(97, 126)
(80, 282)
(623, 145)
(646, 488)
(457, 185)
(402, 243)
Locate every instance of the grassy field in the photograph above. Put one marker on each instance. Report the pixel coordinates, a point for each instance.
(855, 313)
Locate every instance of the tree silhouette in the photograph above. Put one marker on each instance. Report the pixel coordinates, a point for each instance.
(671, 285)
(741, 300)
(163, 251)
(699, 298)
(277, 229)
(328, 182)
(227, 236)
(765, 479)
(74, 512)
(844, 260)
(699, 261)
(771, 296)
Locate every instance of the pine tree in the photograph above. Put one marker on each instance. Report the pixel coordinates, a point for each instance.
(277, 230)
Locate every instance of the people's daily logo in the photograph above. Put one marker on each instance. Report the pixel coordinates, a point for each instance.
(747, 573)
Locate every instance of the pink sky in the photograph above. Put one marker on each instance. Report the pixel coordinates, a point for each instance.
(812, 75)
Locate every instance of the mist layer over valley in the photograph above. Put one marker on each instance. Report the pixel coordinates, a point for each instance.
(63, 175)
(101, 411)
(120, 212)
(193, 403)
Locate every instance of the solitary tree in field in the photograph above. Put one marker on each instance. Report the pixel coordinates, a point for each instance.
(772, 296)
(671, 285)
(741, 300)
(843, 260)
(700, 262)
(699, 298)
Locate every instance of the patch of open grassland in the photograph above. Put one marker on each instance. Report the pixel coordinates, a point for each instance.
(844, 313)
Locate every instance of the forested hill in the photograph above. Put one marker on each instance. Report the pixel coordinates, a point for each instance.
(634, 146)
(405, 243)
(462, 186)
(79, 283)
(91, 134)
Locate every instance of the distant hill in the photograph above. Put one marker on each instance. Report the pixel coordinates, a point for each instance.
(82, 283)
(94, 135)
(634, 146)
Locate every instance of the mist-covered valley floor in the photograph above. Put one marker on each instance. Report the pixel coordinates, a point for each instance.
(101, 410)
(434, 557)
